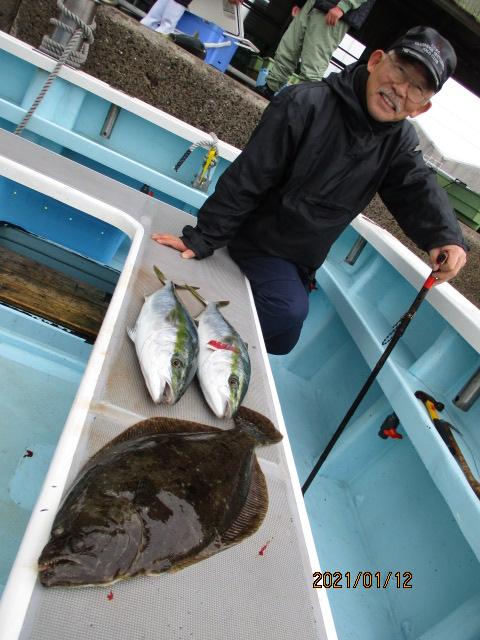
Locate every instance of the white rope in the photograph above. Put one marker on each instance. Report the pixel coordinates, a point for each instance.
(207, 143)
(81, 32)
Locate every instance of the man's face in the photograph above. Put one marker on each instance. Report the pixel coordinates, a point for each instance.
(396, 89)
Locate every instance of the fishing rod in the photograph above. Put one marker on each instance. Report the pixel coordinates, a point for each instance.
(392, 340)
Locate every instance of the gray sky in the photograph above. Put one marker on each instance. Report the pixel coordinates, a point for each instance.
(453, 123)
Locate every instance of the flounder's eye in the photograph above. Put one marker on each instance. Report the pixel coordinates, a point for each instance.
(176, 363)
(233, 382)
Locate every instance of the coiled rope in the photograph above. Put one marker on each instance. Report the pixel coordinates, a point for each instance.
(206, 143)
(81, 31)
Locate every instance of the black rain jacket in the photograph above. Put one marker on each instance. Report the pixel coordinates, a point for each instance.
(314, 162)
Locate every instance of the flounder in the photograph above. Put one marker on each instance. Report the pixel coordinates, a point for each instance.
(162, 495)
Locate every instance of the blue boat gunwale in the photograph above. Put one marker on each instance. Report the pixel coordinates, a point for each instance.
(30, 54)
(396, 374)
(93, 146)
(459, 312)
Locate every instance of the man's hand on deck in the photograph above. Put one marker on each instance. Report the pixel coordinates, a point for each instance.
(175, 243)
(456, 259)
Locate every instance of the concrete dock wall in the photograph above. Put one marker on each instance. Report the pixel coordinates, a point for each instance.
(150, 67)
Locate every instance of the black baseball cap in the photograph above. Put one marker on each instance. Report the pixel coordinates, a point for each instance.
(427, 46)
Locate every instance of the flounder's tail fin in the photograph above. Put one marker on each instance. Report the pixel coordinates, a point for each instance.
(257, 425)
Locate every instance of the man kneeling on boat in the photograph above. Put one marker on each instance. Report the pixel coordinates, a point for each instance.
(318, 156)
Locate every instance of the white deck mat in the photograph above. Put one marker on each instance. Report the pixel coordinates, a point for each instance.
(238, 594)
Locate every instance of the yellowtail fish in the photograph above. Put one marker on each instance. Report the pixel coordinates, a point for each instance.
(166, 343)
(223, 361)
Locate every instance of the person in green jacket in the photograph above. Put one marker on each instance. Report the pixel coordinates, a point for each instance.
(313, 35)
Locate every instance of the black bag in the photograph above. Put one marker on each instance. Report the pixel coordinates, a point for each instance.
(192, 44)
(354, 18)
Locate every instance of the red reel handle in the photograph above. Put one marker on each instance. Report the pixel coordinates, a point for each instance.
(430, 281)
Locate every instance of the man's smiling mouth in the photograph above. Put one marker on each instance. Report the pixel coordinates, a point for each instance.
(389, 101)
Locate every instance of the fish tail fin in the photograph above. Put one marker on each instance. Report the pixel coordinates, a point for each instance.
(257, 425)
(160, 275)
(195, 294)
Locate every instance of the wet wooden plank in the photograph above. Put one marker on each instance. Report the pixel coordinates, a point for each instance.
(45, 292)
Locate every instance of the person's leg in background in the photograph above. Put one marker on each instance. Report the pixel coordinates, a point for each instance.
(289, 49)
(281, 300)
(154, 17)
(319, 43)
(163, 16)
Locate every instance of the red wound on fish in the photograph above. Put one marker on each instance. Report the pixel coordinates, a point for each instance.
(215, 344)
(110, 595)
(263, 549)
(28, 453)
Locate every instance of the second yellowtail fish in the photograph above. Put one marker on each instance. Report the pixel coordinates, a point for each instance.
(223, 362)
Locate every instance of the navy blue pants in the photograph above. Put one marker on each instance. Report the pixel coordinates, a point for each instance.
(281, 299)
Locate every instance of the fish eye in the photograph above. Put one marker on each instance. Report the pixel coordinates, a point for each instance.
(176, 362)
(233, 382)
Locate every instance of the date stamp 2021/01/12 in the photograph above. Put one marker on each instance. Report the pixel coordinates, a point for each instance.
(365, 579)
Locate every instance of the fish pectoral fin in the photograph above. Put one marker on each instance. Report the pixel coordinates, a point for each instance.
(253, 511)
(195, 294)
(131, 333)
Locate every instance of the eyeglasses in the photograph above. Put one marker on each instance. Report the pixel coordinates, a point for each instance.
(399, 75)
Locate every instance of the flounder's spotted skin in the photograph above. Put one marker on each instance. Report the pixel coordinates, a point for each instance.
(164, 494)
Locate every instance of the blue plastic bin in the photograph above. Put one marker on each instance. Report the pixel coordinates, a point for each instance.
(58, 222)
(220, 57)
